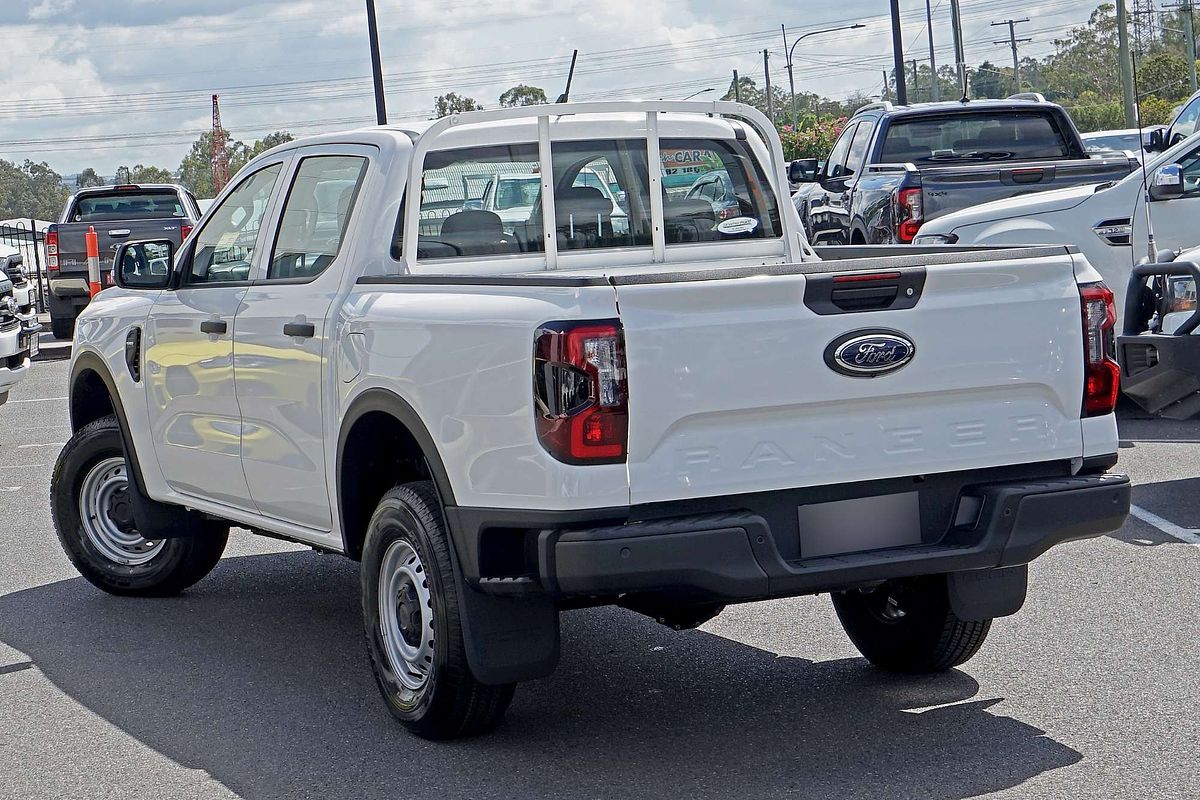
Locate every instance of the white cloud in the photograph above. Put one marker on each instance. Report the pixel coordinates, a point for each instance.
(47, 9)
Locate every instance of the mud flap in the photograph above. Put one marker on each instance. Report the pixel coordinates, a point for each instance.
(987, 593)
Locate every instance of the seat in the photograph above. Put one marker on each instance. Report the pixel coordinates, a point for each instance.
(476, 233)
(689, 220)
(899, 150)
(583, 217)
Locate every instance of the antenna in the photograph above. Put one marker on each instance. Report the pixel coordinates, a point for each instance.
(220, 155)
(566, 95)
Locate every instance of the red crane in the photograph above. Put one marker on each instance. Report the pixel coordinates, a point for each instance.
(220, 155)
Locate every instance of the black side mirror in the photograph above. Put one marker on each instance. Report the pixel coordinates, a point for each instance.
(803, 170)
(144, 265)
(1157, 141)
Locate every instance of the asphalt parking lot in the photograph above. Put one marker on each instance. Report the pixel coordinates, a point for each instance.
(255, 683)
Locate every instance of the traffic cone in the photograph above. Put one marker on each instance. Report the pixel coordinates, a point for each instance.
(93, 261)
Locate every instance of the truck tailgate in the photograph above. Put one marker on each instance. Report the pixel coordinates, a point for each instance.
(730, 390)
(72, 248)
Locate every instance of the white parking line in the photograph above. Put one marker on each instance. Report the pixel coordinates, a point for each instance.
(44, 444)
(1186, 535)
(36, 400)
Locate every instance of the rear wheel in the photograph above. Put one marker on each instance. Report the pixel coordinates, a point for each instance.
(93, 515)
(908, 625)
(413, 621)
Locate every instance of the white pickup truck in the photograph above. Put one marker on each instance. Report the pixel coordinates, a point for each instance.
(501, 426)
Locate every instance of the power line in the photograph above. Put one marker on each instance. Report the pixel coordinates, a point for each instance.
(1013, 41)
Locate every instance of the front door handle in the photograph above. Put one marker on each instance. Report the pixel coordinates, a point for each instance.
(214, 326)
(305, 330)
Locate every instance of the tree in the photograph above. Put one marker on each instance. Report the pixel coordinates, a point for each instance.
(522, 95)
(267, 142)
(88, 177)
(453, 103)
(195, 171)
(31, 190)
(144, 174)
(991, 81)
(1164, 75)
(1084, 59)
(751, 95)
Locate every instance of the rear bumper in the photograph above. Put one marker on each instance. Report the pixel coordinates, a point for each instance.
(739, 555)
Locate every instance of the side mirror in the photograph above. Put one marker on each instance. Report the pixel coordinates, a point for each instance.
(803, 170)
(144, 265)
(1166, 182)
(1156, 140)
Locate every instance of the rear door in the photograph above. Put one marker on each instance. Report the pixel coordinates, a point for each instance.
(830, 220)
(281, 348)
(193, 409)
(732, 388)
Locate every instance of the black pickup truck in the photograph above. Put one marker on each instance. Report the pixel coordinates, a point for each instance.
(119, 214)
(895, 167)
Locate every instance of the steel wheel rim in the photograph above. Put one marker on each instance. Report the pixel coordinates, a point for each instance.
(106, 518)
(406, 614)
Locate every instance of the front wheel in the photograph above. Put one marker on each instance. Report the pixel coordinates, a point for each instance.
(93, 515)
(413, 621)
(908, 626)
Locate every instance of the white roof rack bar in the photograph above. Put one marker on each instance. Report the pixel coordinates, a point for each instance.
(1036, 97)
(882, 105)
(719, 108)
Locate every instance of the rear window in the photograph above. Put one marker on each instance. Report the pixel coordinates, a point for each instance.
(964, 138)
(601, 197)
(121, 205)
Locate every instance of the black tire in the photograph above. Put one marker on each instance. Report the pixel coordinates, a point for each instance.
(157, 568)
(445, 702)
(908, 626)
(62, 327)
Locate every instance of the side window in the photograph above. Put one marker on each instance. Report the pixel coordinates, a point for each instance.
(225, 245)
(734, 200)
(315, 215)
(1189, 165)
(1185, 125)
(857, 155)
(835, 165)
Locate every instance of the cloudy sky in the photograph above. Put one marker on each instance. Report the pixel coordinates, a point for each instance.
(103, 83)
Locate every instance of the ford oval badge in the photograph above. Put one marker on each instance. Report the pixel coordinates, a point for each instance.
(869, 353)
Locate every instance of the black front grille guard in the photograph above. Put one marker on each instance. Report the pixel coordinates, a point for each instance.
(1160, 371)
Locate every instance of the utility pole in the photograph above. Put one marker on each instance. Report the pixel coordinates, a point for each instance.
(898, 55)
(737, 88)
(1189, 34)
(935, 89)
(220, 155)
(960, 58)
(376, 65)
(1127, 91)
(916, 81)
(1013, 41)
(885, 85)
(767, 74)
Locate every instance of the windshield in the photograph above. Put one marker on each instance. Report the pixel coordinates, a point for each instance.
(1117, 141)
(125, 204)
(517, 192)
(983, 136)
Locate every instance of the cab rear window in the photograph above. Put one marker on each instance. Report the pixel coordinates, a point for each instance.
(985, 136)
(122, 205)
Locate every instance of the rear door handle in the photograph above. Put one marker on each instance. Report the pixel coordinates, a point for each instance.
(119, 234)
(214, 326)
(305, 330)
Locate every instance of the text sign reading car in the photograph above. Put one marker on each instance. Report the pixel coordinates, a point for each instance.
(869, 353)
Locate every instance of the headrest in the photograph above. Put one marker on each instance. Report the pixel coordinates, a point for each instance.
(581, 200)
(473, 222)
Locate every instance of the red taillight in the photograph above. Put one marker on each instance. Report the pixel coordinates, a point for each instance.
(910, 214)
(52, 250)
(580, 391)
(1101, 375)
(184, 230)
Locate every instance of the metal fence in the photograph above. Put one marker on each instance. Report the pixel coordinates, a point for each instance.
(29, 238)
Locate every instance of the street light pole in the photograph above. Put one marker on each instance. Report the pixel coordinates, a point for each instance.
(800, 38)
(702, 91)
(376, 66)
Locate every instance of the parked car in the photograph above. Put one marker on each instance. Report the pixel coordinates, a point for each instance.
(119, 214)
(1129, 140)
(516, 197)
(1106, 222)
(1182, 126)
(12, 264)
(501, 426)
(18, 339)
(896, 168)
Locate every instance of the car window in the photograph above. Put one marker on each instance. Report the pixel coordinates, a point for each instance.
(835, 165)
(857, 154)
(1017, 135)
(1189, 165)
(224, 247)
(740, 203)
(315, 215)
(125, 204)
(1185, 124)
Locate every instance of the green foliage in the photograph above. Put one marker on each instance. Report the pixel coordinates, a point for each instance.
(144, 174)
(1084, 60)
(453, 103)
(31, 190)
(752, 95)
(810, 137)
(522, 95)
(195, 171)
(88, 177)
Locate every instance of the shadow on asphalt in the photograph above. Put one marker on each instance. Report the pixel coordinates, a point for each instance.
(258, 676)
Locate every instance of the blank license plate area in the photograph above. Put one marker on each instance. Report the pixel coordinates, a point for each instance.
(862, 523)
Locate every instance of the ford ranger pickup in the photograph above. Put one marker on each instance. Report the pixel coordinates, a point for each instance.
(503, 422)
